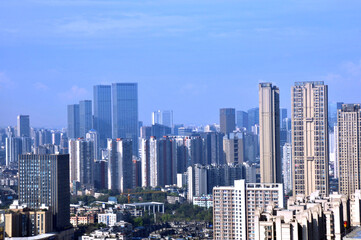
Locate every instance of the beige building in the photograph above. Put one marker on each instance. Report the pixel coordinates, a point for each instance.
(234, 207)
(349, 146)
(233, 148)
(269, 126)
(26, 222)
(310, 138)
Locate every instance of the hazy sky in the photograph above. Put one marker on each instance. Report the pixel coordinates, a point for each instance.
(193, 57)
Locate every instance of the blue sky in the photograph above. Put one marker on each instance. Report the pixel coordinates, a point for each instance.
(190, 56)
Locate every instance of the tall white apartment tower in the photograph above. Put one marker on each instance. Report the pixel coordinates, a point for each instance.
(269, 126)
(310, 138)
(349, 145)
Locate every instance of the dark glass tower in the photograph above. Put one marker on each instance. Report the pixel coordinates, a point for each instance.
(103, 113)
(23, 128)
(125, 112)
(44, 179)
(227, 119)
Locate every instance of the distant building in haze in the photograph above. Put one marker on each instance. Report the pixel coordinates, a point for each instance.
(233, 148)
(85, 117)
(103, 113)
(163, 117)
(73, 121)
(227, 120)
(242, 119)
(23, 127)
(253, 117)
(125, 112)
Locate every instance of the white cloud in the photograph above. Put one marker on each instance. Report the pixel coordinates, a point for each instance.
(5, 81)
(128, 23)
(193, 89)
(74, 93)
(41, 86)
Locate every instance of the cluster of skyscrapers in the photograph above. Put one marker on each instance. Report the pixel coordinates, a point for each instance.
(250, 160)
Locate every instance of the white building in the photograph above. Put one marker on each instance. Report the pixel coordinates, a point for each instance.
(81, 161)
(205, 201)
(234, 207)
(197, 181)
(110, 218)
(287, 167)
(181, 179)
(120, 165)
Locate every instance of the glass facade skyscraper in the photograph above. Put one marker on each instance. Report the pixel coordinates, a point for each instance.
(73, 121)
(125, 112)
(103, 113)
(85, 117)
(23, 129)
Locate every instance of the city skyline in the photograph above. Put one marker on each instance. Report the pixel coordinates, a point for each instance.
(53, 56)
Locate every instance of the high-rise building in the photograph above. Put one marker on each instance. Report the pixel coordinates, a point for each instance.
(202, 178)
(125, 112)
(163, 117)
(349, 140)
(81, 164)
(23, 127)
(197, 181)
(251, 149)
(167, 118)
(235, 206)
(145, 162)
(213, 147)
(162, 162)
(158, 130)
(120, 165)
(242, 119)
(55, 138)
(85, 117)
(101, 174)
(287, 167)
(269, 123)
(13, 147)
(194, 145)
(233, 148)
(310, 138)
(93, 136)
(253, 117)
(103, 113)
(73, 121)
(44, 180)
(227, 120)
(283, 114)
(157, 117)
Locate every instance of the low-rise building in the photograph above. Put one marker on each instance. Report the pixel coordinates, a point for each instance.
(26, 222)
(110, 218)
(120, 231)
(312, 218)
(137, 209)
(205, 201)
(82, 220)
